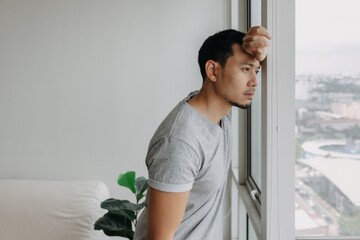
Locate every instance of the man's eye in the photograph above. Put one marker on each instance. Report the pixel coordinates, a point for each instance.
(246, 69)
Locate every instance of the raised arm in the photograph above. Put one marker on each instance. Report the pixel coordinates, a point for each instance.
(166, 211)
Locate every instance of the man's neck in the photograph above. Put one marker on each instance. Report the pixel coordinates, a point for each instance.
(210, 105)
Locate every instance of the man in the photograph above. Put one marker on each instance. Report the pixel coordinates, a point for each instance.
(189, 155)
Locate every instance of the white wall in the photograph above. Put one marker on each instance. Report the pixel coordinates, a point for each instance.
(85, 83)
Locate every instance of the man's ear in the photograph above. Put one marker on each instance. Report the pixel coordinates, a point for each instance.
(211, 69)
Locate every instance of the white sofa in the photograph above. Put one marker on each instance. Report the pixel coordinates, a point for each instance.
(51, 210)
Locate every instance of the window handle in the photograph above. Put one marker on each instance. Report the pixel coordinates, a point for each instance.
(254, 194)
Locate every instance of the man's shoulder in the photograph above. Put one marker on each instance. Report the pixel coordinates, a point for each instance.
(178, 124)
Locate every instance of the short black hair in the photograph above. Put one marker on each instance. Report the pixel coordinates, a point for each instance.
(218, 48)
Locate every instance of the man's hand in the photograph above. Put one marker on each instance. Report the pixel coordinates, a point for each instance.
(256, 42)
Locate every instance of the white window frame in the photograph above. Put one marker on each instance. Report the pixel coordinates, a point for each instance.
(277, 221)
(278, 208)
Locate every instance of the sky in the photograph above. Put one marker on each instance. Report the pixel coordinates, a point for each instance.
(327, 36)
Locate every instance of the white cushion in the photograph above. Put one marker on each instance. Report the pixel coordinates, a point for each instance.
(50, 210)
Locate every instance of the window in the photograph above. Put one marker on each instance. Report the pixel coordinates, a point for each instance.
(327, 167)
(247, 165)
(273, 174)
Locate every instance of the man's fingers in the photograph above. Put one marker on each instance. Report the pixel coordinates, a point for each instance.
(255, 38)
(259, 51)
(255, 44)
(258, 30)
(260, 54)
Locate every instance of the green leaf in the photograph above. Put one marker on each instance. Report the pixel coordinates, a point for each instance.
(112, 204)
(127, 180)
(125, 213)
(115, 225)
(141, 187)
(120, 207)
(141, 205)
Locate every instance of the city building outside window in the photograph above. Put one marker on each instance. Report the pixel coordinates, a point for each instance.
(327, 87)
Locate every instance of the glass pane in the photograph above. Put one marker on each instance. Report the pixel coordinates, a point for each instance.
(255, 117)
(256, 137)
(251, 232)
(327, 118)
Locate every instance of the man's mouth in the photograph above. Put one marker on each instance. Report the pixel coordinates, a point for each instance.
(250, 94)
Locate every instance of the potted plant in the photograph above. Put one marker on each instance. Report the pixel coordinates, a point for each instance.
(122, 215)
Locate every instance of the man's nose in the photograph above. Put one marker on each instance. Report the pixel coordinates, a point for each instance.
(253, 81)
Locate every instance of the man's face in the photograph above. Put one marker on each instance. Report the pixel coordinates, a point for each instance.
(237, 79)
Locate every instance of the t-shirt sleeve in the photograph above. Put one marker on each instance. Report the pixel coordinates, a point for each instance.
(172, 165)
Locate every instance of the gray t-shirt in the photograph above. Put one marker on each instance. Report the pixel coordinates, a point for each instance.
(190, 153)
